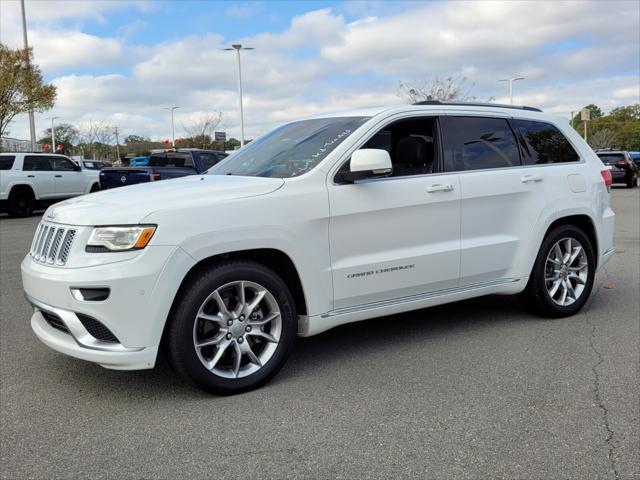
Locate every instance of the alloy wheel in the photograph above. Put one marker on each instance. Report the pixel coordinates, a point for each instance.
(566, 271)
(237, 329)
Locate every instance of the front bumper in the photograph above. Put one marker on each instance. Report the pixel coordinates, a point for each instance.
(142, 289)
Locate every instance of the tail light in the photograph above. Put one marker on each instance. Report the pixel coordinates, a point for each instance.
(608, 180)
(156, 176)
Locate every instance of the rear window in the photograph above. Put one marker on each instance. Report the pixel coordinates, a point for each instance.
(610, 158)
(37, 164)
(6, 162)
(209, 159)
(481, 143)
(171, 160)
(544, 143)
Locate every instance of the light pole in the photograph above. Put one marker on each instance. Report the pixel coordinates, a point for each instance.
(53, 134)
(237, 47)
(32, 123)
(511, 80)
(173, 133)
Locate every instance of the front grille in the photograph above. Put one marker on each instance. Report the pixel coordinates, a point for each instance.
(97, 329)
(52, 244)
(55, 321)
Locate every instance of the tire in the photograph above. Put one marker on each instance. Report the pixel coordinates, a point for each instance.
(21, 202)
(198, 318)
(631, 181)
(95, 188)
(539, 295)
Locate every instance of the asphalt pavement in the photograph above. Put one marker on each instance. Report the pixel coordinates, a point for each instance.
(477, 389)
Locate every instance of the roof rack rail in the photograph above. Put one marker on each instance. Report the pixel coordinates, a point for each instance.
(476, 104)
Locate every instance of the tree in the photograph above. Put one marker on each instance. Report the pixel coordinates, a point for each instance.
(66, 134)
(21, 86)
(602, 138)
(442, 89)
(95, 140)
(631, 112)
(594, 112)
(201, 131)
(232, 144)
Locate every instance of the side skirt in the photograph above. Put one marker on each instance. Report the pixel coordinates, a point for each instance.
(313, 325)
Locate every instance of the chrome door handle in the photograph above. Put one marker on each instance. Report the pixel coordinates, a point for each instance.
(531, 178)
(58, 176)
(438, 187)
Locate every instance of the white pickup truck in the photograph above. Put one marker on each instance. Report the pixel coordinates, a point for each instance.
(27, 178)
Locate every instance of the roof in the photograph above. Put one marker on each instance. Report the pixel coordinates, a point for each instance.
(437, 106)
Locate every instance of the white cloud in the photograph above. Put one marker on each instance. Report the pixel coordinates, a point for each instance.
(571, 54)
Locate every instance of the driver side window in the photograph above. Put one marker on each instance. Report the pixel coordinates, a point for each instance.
(61, 164)
(411, 144)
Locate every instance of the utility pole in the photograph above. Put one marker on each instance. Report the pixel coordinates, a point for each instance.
(511, 80)
(117, 145)
(237, 47)
(53, 135)
(32, 123)
(173, 133)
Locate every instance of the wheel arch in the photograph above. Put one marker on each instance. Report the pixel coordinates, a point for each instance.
(272, 258)
(21, 186)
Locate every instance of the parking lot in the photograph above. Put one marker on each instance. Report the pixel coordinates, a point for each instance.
(477, 389)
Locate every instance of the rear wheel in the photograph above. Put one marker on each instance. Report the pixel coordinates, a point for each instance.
(233, 328)
(631, 181)
(562, 276)
(21, 202)
(94, 188)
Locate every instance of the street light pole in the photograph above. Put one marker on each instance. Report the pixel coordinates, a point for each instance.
(53, 134)
(173, 132)
(237, 47)
(32, 123)
(511, 80)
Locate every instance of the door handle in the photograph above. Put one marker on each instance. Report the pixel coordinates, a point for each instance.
(58, 176)
(438, 187)
(531, 178)
(31, 176)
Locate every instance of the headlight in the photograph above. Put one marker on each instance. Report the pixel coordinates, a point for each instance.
(117, 239)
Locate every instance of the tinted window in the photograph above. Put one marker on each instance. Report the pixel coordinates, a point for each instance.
(611, 158)
(171, 159)
(478, 142)
(62, 164)
(6, 162)
(37, 164)
(544, 143)
(208, 160)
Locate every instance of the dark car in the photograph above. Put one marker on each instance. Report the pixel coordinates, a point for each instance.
(162, 166)
(623, 169)
(635, 156)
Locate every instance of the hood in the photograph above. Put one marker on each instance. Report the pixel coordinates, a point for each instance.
(130, 205)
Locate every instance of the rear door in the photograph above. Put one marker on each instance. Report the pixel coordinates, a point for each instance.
(500, 202)
(69, 181)
(40, 174)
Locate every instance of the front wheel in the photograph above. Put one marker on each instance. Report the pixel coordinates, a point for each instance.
(233, 328)
(563, 273)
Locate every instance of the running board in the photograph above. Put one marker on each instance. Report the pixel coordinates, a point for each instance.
(313, 325)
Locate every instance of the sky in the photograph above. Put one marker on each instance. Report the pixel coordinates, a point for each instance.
(120, 62)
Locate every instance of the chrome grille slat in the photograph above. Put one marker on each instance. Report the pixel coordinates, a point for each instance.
(52, 243)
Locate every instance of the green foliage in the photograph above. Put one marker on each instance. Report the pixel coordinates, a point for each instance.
(620, 129)
(21, 86)
(66, 135)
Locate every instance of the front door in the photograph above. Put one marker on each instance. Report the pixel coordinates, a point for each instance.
(396, 236)
(69, 181)
(40, 174)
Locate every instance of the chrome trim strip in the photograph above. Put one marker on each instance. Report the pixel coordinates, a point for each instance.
(80, 334)
(415, 298)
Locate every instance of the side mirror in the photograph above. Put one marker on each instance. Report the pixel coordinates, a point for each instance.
(77, 168)
(369, 163)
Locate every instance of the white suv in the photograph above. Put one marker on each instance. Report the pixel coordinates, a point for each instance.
(27, 178)
(322, 222)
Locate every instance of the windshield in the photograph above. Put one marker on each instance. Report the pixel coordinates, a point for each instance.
(291, 150)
